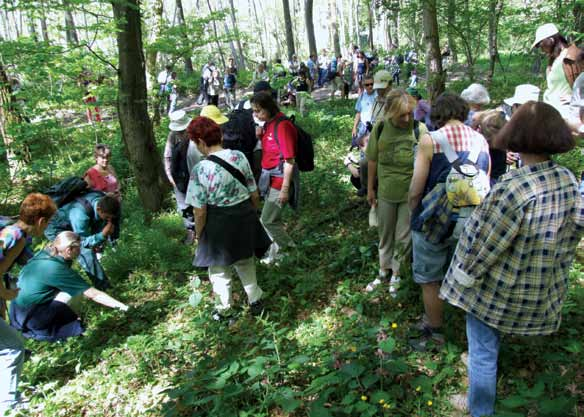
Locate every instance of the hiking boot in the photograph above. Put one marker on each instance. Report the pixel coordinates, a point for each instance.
(257, 308)
(373, 284)
(459, 402)
(431, 339)
(394, 285)
(224, 317)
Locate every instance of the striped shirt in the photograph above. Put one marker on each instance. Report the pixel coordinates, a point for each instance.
(510, 268)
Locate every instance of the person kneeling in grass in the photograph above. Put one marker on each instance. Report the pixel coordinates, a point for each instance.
(510, 269)
(47, 283)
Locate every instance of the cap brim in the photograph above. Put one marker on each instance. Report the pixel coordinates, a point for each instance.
(179, 127)
(380, 85)
(221, 120)
(510, 101)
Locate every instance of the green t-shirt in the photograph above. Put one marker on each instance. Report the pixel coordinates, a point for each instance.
(44, 276)
(394, 153)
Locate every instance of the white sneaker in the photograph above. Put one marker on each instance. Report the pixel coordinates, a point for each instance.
(373, 284)
(394, 285)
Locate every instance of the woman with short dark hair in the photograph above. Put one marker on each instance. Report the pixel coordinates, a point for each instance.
(101, 176)
(279, 179)
(224, 195)
(432, 245)
(510, 269)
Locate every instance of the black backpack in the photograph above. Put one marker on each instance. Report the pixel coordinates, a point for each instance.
(305, 149)
(67, 190)
(239, 132)
(179, 168)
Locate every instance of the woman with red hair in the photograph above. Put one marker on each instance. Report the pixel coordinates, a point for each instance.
(224, 195)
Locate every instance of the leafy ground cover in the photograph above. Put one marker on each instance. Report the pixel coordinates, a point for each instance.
(323, 346)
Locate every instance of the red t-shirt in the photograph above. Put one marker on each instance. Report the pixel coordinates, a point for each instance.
(287, 137)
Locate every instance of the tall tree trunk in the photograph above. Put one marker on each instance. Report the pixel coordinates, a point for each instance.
(220, 50)
(396, 23)
(152, 55)
(335, 27)
(228, 34)
(241, 60)
(289, 32)
(70, 29)
(357, 24)
(181, 22)
(495, 10)
(450, 24)
(309, 27)
(258, 26)
(7, 118)
(32, 27)
(370, 6)
(578, 12)
(435, 75)
(44, 27)
(137, 132)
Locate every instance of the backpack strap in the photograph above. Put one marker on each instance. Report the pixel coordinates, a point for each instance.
(229, 168)
(278, 121)
(441, 139)
(473, 155)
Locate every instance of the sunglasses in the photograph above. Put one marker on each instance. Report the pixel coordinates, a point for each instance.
(368, 85)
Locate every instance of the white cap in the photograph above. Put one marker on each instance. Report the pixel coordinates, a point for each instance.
(543, 32)
(476, 94)
(523, 94)
(179, 121)
(381, 79)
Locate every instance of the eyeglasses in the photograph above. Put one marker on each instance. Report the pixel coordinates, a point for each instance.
(368, 85)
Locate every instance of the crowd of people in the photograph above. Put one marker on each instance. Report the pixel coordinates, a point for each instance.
(470, 194)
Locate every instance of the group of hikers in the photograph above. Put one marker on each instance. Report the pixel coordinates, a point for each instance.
(490, 221)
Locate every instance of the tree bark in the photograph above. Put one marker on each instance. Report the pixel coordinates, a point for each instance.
(181, 21)
(289, 32)
(451, 22)
(219, 49)
(32, 27)
(309, 27)
(258, 28)
(45, 29)
(435, 74)
(578, 12)
(70, 30)
(495, 10)
(335, 27)
(370, 6)
(7, 118)
(241, 60)
(137, 132)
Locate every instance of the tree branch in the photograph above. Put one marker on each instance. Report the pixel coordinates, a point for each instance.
(105, 61)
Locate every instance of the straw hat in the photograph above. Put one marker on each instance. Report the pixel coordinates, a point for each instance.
(523, 94)
(543, 32)
(212, 112)
(179, 121)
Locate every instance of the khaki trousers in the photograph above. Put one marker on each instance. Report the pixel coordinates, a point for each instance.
(394, 234)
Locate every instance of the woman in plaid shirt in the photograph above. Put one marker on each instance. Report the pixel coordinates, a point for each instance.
(510, 268)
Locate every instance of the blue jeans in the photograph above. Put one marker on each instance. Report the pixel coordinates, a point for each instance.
(483, 351)
(11, 361)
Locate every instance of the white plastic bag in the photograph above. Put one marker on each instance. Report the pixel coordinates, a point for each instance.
(373, 216)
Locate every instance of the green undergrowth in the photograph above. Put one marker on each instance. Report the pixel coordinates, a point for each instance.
(323, 347)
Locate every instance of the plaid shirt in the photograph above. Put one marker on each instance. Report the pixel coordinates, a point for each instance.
(436, 215)
(511, 265)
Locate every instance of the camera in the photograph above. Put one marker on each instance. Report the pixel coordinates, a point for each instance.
(369, 126)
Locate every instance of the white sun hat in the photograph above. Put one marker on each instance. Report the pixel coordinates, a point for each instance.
(523, 94)
(543, 32)
(179, 121)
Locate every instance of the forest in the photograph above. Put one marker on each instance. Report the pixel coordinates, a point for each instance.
(77, 73)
